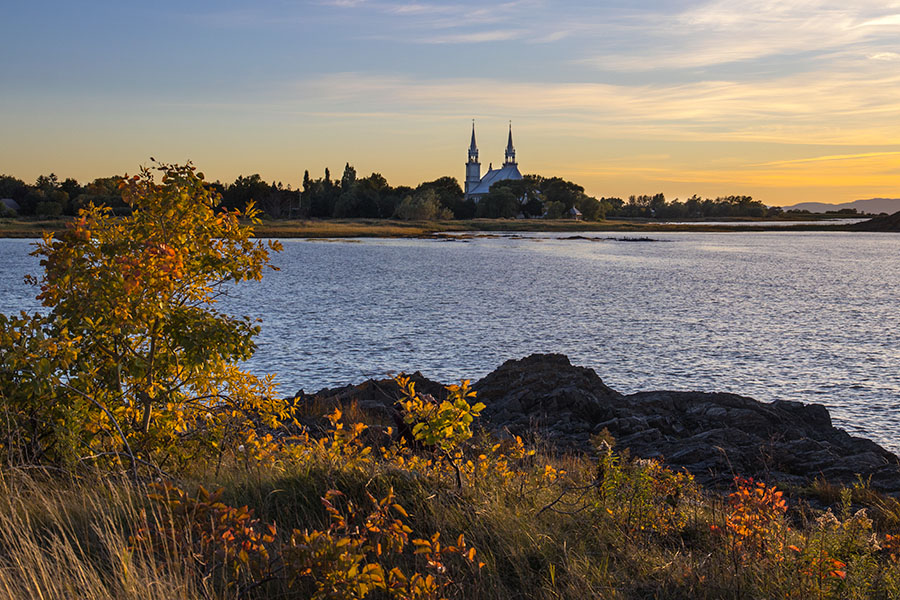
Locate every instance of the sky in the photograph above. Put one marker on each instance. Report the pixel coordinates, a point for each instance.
(787, 101)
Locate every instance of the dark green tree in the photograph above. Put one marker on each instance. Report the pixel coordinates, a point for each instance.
(13, 188)
(245, 190)
(449, 194)
(348, 179)
(500, 203)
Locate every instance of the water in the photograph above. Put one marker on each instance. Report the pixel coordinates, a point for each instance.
(828, 222)
(772, 315)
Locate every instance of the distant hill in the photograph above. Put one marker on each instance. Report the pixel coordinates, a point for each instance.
(872, 205)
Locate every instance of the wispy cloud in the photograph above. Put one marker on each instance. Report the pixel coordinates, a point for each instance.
(821, 107)
(885, 21)
(495, 35)
(828, 158)
(730, 31)
(461, 16)
(891, 56)
(343, 3)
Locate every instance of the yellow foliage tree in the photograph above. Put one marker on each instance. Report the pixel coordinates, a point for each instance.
(133, 358)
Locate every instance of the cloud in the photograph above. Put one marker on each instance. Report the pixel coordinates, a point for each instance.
(731, 31)
(827, 158)
(421, 9)
(819, 107)
(887, 20)
(496, 35)
(884, 56)
(344, 3)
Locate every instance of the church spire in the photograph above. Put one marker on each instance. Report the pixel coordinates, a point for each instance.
(473, 147)
(510, 150)
(473, 167)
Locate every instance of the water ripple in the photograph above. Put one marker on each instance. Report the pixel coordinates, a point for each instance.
(775, 315)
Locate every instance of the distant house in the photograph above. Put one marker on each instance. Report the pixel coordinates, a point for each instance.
(8, 205)
(477, 187)
(574, 213)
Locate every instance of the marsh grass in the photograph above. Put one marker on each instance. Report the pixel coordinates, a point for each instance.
(390, 228)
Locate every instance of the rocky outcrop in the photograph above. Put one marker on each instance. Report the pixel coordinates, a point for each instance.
(879, 223)
(714, 436)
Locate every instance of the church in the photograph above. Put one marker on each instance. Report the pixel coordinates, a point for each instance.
(477, 186)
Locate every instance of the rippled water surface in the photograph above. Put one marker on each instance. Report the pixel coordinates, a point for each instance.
(773, 315)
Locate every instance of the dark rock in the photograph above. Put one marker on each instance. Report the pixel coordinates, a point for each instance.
(879, 223)
(522, 385)
(714, 436)
(372, 402)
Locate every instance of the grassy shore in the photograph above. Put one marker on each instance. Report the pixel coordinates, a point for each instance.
(350, 228)
(30, 228)
(541, 526)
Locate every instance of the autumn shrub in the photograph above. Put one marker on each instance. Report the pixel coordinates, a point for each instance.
(218, 542)
(755, 525)
(359, 554)
(132, 363)
(643, 495)
(361, 551)
(441, 424)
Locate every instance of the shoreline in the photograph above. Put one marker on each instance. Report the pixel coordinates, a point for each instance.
(388, 228)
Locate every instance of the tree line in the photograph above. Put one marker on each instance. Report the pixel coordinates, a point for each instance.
(352, 196)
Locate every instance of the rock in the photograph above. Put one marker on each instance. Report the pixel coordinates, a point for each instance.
(522, 385)
(714, 436)
(879, 223)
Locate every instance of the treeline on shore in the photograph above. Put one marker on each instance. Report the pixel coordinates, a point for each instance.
(534, 196)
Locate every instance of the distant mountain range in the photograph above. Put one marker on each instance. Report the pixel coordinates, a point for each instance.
(872, 205)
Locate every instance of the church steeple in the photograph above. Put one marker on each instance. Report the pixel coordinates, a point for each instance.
(510, 150)
(473, 147)
(473, 167)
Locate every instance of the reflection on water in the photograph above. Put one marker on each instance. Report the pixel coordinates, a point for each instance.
(820, 222)
(772, 315)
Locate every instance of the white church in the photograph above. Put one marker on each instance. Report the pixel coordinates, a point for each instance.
(477, 186)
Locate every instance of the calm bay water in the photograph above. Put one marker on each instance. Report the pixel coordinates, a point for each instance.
(773, 315)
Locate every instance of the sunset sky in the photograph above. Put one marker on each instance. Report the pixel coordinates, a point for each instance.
(788, 101)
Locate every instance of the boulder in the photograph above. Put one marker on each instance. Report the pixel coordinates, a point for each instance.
(714, 436)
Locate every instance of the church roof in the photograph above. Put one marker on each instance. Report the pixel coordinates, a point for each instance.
(504, 173)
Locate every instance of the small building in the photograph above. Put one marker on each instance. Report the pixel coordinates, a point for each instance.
(574, 213)
(9, 206)
(477, 187)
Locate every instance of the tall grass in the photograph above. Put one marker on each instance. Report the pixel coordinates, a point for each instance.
(545, 527)
(71, 538)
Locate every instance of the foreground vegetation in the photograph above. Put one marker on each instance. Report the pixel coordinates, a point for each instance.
(138, 461)
(341, 519)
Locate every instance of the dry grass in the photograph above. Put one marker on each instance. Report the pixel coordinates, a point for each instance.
(30, 228)
(353, 228)
(71, 539)
(569, 537)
